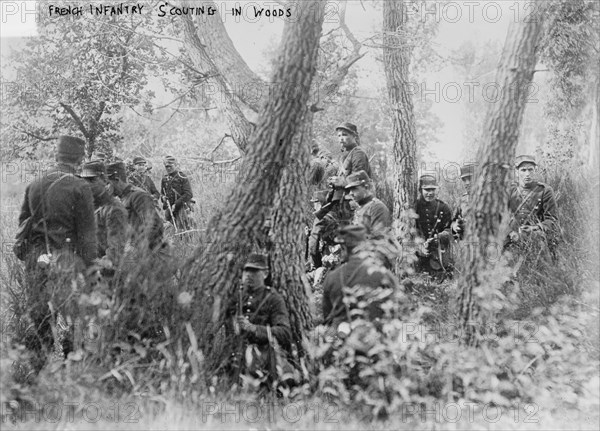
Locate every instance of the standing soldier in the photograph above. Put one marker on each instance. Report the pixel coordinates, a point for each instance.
(61, 240)
(433, 225)
(177, 195)
(373, 214)
(146, 224)
(140, 178)
(458, 224)
(111, 215)
(532, 205)
(356, 160)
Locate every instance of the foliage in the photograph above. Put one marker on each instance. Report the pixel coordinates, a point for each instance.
(77, 77)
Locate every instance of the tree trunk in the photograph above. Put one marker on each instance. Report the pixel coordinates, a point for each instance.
(287, 251)
(239, 126)
(495, 160)
(396, 59)
(246, 85)
(215, 269)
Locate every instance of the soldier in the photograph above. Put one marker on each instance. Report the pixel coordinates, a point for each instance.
(111, 215)
(433, 225)
(322, 232)
(259, 317)
(373, 214)
(458, 223)
(140, 178)
(177, 195)
(355, 271)
(532, 205)
(62, 239)
(146, 224)
(356, 159)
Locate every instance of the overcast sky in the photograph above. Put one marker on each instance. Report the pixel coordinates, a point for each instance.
(458, 22)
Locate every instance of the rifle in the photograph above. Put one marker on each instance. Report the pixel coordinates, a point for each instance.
(166, 201)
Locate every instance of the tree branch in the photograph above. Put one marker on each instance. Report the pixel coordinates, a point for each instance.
(33, 135)
(76, 118)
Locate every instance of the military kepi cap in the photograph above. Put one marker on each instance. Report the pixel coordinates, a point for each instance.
(70, 148)
(93, 169)
(139, 159)
(356, 179)
(349, 127)
(169, 161)
(118, 170)
(351, 235)
(256, 261)
(428, 182)
(524, 158)
(467, 170)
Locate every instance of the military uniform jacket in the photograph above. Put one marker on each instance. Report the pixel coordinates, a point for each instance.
(356, 160)
(374, 215)
(68, 208)
(355, 272)
(429, 213)
(533, 206)
(144, 220)
(176, 187)
(144, 182)
(265, 307)
(112, 229)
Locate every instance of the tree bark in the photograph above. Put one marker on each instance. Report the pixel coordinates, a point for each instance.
(495, 156)
(215, 269)
(238, 124)
(246, 85)
(396, 59)
(287, 251)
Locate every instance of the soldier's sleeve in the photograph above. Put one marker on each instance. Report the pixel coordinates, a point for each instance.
(144, 207)
(186, 194)
(116, 226)
(152, 187)
(85, 224)
(25, 210)
(313, 239)
(163, 184)
(549, 209)
(360, 162)
(280, 322)
(381, 220)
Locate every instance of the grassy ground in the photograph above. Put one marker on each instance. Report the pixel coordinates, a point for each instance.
(73, 398)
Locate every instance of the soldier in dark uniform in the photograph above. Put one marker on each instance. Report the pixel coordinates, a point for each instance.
(458, 223)
(140, 178)
(259, 318)
(532, 205)
(373, 214)
(144, 220)
(355, 271)
(356, 160)
(177, 195)
(62, 240)
(111, 215)
(433, 225)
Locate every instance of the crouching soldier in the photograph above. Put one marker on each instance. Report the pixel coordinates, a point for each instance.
(260, 322)
(433, 225)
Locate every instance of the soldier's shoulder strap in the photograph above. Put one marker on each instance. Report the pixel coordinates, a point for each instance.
(181, 174)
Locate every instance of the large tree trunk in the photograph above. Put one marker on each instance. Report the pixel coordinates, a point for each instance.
(238, 124)
(215, 270)
(287, 251)
(247, 85)
(495, 157)
(396, 59)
